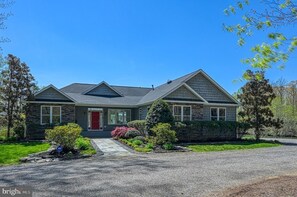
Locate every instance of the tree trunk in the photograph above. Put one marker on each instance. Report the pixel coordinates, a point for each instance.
(257, 133)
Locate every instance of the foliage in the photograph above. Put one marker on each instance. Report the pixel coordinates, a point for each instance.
(17, 85)
(209, 130)
(85, 146)
(11, 153)
(138, 125)
(272, 16)
(164, 134)
(82, 143)
(256, 98)
(149, 145)
(65, 135)
(234, 145)
(132, 133)
(120, 132)
(284, 107)
(137, 145)
(168, 146)
(137, 142)
(159, 112)
(141, 138)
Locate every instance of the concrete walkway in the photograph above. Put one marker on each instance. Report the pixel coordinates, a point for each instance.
(110, 147)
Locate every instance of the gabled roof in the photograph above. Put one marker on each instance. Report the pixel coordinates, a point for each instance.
(56, 89)
(138, 96)
(100, 84)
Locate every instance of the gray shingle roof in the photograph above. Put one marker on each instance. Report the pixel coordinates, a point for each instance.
(131, 96)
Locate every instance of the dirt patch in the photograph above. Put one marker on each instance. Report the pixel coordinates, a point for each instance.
(276, 186)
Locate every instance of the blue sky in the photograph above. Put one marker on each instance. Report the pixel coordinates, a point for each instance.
(131, 42)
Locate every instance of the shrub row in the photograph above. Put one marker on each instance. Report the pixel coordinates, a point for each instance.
(209, 130)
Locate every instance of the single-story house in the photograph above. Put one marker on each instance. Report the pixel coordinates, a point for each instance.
(99, 108)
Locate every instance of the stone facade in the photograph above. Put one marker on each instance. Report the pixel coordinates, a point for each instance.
(34, 128)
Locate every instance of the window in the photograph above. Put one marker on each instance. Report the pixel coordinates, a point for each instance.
(50, 115)
(218, 114)
(119, 116)
(182, 113)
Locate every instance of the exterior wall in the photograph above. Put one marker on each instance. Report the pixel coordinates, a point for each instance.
(82, 117)
(197, 110)
(182, 93)
(103, 90)
(142, 112)
(230, 113)
(51, 94)
(207, 89)
(34, 129)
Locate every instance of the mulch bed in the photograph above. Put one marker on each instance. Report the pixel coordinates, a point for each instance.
(277, 186)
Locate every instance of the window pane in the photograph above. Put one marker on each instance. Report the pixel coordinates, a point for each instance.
(45, 119)
(213, 112)
(222, 118)
(187, 111)
(187, 118)
(119, 116)
(222, 112)
(56, 111)
(177, 117)
(56, 120)
(177, 110)
(45, 110)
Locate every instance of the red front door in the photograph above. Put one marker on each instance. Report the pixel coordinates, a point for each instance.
(95, 120)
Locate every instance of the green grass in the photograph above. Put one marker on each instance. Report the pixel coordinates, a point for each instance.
(11, 153)
(236, 145)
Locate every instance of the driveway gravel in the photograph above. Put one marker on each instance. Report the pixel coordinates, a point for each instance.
(167, 174)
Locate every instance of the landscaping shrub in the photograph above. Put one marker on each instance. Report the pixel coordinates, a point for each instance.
(158, 113)
(164, 134)
(137, 142)
(65, 135)
(149, 146)
(132, 133)
(141, 138)
(82, 143)
(209, 130)
(138, 125)
(168, 146)
(19, 130)
(119, 132)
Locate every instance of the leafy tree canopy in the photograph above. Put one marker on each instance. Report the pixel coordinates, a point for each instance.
(273, 17)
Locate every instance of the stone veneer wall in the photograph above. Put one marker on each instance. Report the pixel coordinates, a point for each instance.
(34, 129)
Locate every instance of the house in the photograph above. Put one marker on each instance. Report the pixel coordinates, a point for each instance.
(98, 108)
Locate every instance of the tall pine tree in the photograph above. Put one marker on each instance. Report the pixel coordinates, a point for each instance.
(256, 97)
(17, 84)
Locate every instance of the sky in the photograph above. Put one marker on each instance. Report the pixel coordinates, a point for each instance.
(129, 42)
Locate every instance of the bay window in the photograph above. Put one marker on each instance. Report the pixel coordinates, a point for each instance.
(50, 115)
(182, 113)
(217, 114)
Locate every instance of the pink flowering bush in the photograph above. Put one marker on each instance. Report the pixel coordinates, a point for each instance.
(119, 132)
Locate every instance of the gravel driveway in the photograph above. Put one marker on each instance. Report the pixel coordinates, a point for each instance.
(170, 174)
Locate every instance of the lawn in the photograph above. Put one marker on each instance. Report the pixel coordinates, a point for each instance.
(11, 152)
(232, 145)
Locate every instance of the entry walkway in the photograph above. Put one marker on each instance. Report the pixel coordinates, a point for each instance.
(110, 148)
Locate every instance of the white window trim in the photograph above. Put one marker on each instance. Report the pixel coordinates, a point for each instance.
(108, 113)
(218, 112)
(182, 111)
(51, 113)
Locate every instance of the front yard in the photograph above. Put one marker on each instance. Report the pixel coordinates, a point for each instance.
(232, 145)
(11, 153)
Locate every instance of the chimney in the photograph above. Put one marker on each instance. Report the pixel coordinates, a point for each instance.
(153, 87)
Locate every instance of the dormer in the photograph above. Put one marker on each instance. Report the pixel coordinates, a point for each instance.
(103, 89)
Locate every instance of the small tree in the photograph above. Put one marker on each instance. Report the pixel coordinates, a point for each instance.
(256, 97)
(158, 113)
(17, 84)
